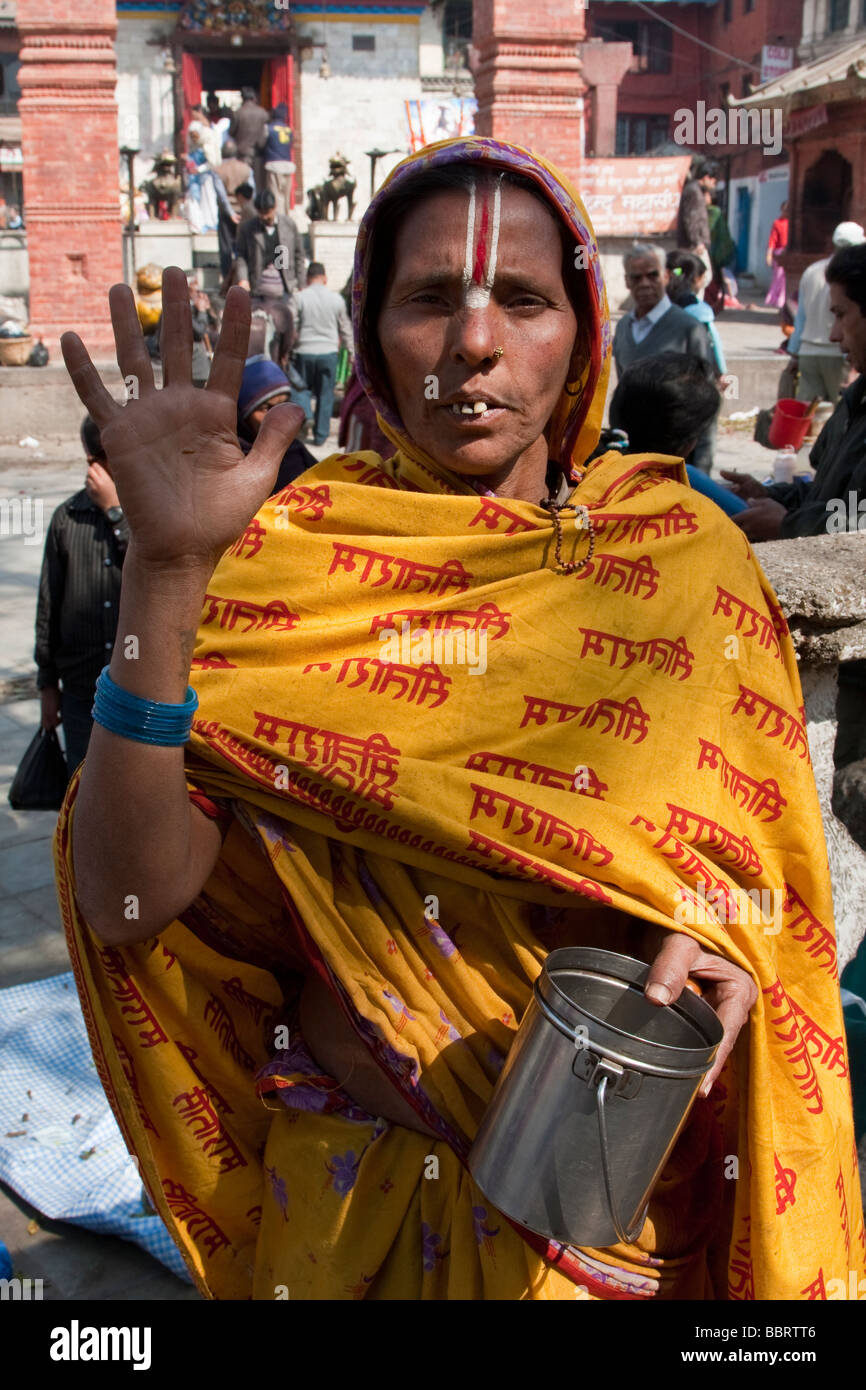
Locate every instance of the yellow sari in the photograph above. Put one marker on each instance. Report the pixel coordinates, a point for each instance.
(428, 834)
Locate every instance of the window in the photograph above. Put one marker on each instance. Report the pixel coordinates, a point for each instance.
(748, 6)
(726, 11)
(363, 43)
(747, 85)
(457, 32)
(9, 89)
(724, 93)
(640, 134)
(651, 43)
(837, 18)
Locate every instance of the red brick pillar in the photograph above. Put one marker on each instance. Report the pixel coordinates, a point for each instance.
(604, 67)
(528, 77)
(70, 151)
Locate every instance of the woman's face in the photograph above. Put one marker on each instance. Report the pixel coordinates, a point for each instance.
(471, 276)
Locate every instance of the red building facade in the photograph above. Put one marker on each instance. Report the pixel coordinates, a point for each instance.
(528, 76)
(69, 142)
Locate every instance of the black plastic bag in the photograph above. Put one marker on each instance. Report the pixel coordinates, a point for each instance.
(763, 421)
(39, 355)
(42, 777)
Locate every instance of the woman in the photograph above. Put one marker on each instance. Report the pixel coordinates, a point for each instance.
(688, 277)
(348, 919)
(777, 245)
(202, 205)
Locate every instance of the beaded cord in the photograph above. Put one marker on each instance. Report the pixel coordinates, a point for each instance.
(582, 521)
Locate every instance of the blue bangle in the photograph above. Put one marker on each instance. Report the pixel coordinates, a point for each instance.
(145, 721)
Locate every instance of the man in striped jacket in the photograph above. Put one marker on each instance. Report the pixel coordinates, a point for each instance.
(79, 591)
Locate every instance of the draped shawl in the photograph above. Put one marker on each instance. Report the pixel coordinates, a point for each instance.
(632, 755)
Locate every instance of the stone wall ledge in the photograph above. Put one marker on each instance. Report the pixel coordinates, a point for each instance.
(820, 582)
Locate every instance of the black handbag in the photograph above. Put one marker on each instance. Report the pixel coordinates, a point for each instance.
(42, 777)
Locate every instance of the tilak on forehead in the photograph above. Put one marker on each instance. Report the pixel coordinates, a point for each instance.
(482, 243)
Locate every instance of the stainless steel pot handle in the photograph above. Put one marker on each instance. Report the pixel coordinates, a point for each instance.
(624, 1236)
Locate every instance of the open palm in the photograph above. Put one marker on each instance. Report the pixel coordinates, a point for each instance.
(185, 485)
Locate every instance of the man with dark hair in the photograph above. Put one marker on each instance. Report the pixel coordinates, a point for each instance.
(248, 129)
(79, 595)
(270, 259)
(322, 328)
(693, 227)
(270, 263)
(219, 116)
(664, 404)
(835, 499)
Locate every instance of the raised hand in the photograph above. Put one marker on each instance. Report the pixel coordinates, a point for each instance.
(186, 487)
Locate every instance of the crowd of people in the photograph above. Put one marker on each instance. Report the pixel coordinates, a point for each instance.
(239, 177)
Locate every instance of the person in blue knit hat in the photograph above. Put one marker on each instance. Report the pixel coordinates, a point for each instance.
(264, 385)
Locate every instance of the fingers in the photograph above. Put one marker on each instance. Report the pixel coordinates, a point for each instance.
(175, 334)
(670, 969)
(739, 481)
(732, 1002)
(230, 356)
(731, 994)
(279, 428)
(99, 405)
(132, 355)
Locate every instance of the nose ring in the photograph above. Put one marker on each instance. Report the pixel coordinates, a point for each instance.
(497, 353)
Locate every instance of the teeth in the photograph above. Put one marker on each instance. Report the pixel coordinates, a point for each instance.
(469, 408)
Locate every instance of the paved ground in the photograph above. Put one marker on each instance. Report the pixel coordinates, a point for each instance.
(75, 1263)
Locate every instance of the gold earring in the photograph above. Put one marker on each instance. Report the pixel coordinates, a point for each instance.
(497, 353)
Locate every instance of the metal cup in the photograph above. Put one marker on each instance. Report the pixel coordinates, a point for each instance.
(595, 1089)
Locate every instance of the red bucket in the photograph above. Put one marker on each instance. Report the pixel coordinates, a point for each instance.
(789, 425)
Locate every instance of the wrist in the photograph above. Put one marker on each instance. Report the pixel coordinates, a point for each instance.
(178, 575)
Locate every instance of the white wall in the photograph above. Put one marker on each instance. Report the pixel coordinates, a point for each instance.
(772, 192)
(769, 190)
(431, 55)
(144, 93)
(361, 106)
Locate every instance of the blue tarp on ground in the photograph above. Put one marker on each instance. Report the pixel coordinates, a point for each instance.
(60, 1147)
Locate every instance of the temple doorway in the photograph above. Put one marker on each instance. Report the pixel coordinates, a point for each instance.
(825, 200)
(228, 75)
(215, 65)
